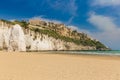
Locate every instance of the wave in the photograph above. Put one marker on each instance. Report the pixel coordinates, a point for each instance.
(111, 53)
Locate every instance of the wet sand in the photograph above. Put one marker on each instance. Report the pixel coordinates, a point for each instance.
(45, 66)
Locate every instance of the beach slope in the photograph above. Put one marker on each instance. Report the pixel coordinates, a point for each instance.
(44, 66)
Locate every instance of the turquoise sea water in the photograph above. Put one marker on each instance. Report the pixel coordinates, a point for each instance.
(112, 52)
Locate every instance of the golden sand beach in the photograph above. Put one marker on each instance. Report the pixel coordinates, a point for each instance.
(40, 66)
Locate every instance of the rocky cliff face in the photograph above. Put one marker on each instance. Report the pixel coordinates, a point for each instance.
(37, 42)
(12, 38)
(17, 38)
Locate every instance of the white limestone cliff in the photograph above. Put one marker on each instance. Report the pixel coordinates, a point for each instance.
(12, 39)
(15, 38)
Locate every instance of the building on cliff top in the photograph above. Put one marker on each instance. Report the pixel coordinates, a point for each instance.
(38, 22)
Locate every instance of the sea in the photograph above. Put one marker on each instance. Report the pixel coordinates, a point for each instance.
(109, 53)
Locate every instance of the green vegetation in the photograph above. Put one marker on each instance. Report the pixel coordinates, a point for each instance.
(99, 45)
(85, 42)
(22, 23)
(8, 22)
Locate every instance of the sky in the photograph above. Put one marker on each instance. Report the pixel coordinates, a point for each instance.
(98, 18)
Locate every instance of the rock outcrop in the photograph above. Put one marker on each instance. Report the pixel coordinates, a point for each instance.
(12, 38)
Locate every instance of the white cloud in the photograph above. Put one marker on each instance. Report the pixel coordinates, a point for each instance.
(72, 7)
(102, 22)
(108, 31)
(68, 6)
(70, 20)
(73, 27)
(106, 2)
(80, 30)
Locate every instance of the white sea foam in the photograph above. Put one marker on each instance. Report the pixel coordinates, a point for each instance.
(109, 53)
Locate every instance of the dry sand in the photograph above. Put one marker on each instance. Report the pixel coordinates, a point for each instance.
(34, 66)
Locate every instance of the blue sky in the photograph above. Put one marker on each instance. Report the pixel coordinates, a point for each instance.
(99, 18)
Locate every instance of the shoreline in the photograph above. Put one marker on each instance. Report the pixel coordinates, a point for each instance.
(96, 56)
